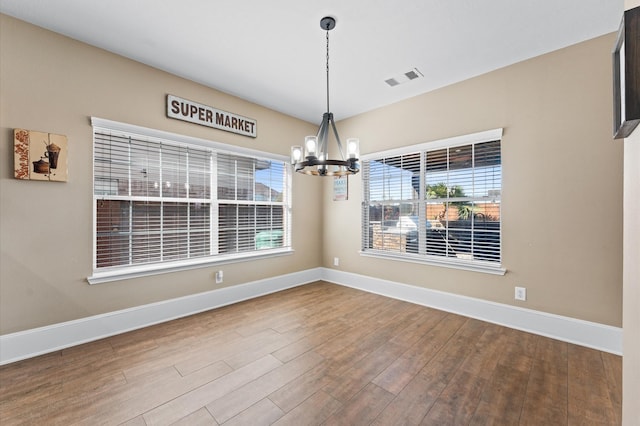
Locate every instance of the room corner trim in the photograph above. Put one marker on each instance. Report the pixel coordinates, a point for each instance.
(584, 333)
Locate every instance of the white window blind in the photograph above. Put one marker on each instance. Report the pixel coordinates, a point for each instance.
(160, 202)
(251, 210)
(436, 202)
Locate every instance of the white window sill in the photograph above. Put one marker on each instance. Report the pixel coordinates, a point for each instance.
(130, 272)
(446, 262)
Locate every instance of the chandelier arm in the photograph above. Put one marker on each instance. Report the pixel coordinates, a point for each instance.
(322, 135)
(335, 133)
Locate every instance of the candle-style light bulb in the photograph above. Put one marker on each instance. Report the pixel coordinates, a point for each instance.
(296, 154)
(311, 146)
(353, 148)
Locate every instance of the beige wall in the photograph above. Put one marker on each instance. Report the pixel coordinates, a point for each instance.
(562, 182)
(631, 278)
(54, 84)
(555, 109)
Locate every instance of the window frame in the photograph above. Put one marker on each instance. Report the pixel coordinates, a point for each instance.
(489, 267)
(101, 275)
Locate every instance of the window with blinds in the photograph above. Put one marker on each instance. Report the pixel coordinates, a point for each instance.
(162, 202)
(437, 202)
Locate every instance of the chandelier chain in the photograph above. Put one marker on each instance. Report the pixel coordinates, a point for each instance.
(327, 70)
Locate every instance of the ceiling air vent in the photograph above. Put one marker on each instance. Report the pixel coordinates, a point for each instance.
(404, 77)
(411, 75)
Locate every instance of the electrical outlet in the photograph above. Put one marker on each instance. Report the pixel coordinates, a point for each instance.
(219, 277)
(336, 261)
(521, 293)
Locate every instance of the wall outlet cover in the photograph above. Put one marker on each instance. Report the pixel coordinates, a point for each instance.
(521, 293)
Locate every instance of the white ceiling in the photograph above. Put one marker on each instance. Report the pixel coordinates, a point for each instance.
(273, 52)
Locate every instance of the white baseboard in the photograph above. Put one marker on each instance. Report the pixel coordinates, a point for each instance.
(26, 344)
(584, 333)
(38, 341)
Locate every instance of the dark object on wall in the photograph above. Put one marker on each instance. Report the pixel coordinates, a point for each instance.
(626, 75)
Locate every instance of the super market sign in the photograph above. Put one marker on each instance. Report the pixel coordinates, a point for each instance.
(193, 112)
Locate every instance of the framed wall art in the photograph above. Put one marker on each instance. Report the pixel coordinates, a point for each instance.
(40, 156)
(626, 75)
(340, 188)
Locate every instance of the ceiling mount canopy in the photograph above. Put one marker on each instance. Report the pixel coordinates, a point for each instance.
(313, 158)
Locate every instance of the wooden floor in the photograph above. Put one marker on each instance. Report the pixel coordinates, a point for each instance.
(317, 354)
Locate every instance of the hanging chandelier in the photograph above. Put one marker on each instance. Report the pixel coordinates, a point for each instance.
(313, 158)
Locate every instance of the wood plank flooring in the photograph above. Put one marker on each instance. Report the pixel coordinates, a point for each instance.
(320, 354)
